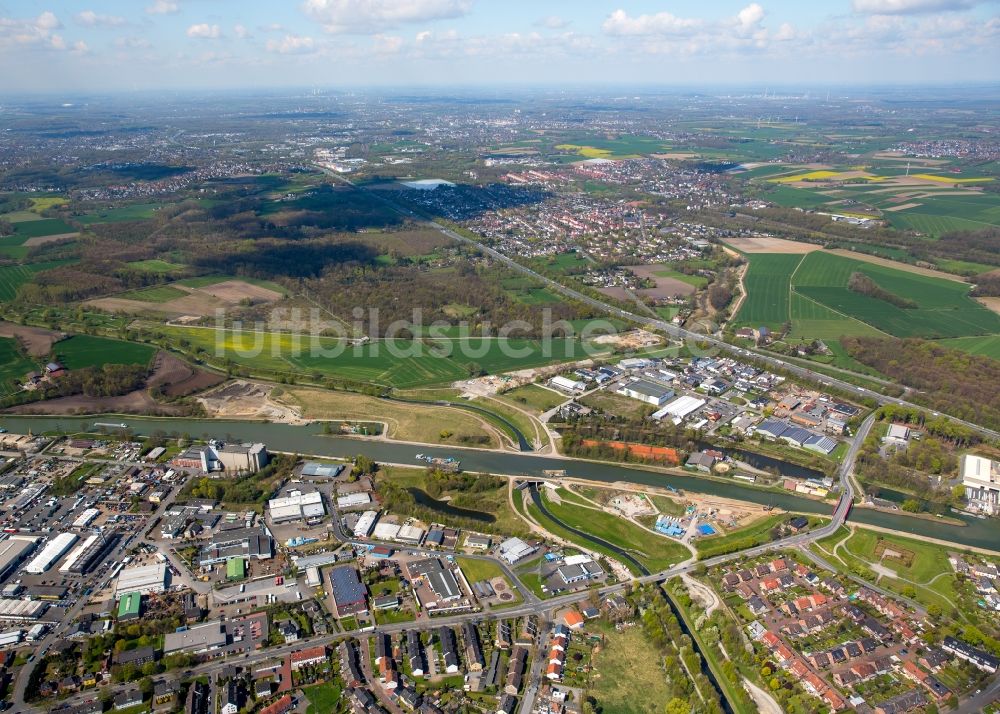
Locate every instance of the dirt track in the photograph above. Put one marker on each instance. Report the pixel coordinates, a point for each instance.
(178, 378)
(137, 402)
(37, 341)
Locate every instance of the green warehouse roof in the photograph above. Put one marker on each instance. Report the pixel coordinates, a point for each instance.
(129, 605)
(236, 569)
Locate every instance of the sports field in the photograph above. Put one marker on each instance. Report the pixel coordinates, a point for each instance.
(811, 292)
(81, 351)
(403, 363)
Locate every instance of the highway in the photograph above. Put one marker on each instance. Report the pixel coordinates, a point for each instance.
(668, 328)
(695, 337)
(531, 604)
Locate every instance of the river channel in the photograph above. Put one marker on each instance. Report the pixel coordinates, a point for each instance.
(309, 439)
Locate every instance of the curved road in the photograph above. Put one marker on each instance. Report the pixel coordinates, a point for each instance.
(534, 606)
(666, 327)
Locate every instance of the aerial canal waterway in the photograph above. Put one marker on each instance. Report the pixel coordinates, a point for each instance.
(309, 439)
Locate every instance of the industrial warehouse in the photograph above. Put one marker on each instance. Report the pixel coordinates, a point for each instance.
(144, 579)
(51, 553)
(297, 506)
(647, 390)
(89, 553)
(13, 551)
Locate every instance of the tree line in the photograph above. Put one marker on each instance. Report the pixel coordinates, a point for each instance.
(948, 380)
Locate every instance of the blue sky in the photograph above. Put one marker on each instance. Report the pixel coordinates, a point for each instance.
(97, 45)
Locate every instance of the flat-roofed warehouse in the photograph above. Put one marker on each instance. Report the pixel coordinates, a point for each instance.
(51, 553)
(88, 553)
(353, 500)
(200, 638)
(253, 543)
(349, 594)
(22, 609)
(296, 506)
(317, 470)
(680, 408)
(648, 391)
(13, 551)
(144, 579)
(86, 518)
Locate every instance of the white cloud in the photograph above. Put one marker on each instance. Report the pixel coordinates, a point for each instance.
(909, 7)
(241, 31)
(89, 18)
(785, 33)
(387, 44)
(162, 7)
(291, 45)
(48, 21)
(749, 17)
(38, 32)
(662, 23)
(204, 31)
(80, 47)
(373, 16)
(132, 43)
(553, 22)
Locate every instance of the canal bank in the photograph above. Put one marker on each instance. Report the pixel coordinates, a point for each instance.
(309, 439)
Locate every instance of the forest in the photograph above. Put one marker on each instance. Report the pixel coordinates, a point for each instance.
(336, 248)
(962, 385)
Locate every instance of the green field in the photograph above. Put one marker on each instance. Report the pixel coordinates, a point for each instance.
(756, 533)
(944, 308)
(811, 292)
(404, 363)
(43, 227)
(81, 351)
(13, 366)
(160, 293)
(476, 570)
(534, 397)
(768, 288)
(203, 281)
(134, 212)
(626, 665)
(13, 276)
(928, 559)
(155, 266)
(322, 698)
(988, 345)
(653, 550)
(13, 247)
(941, 214)
(564, 262)
(621, 147)
(537, 296)
(791, 197)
